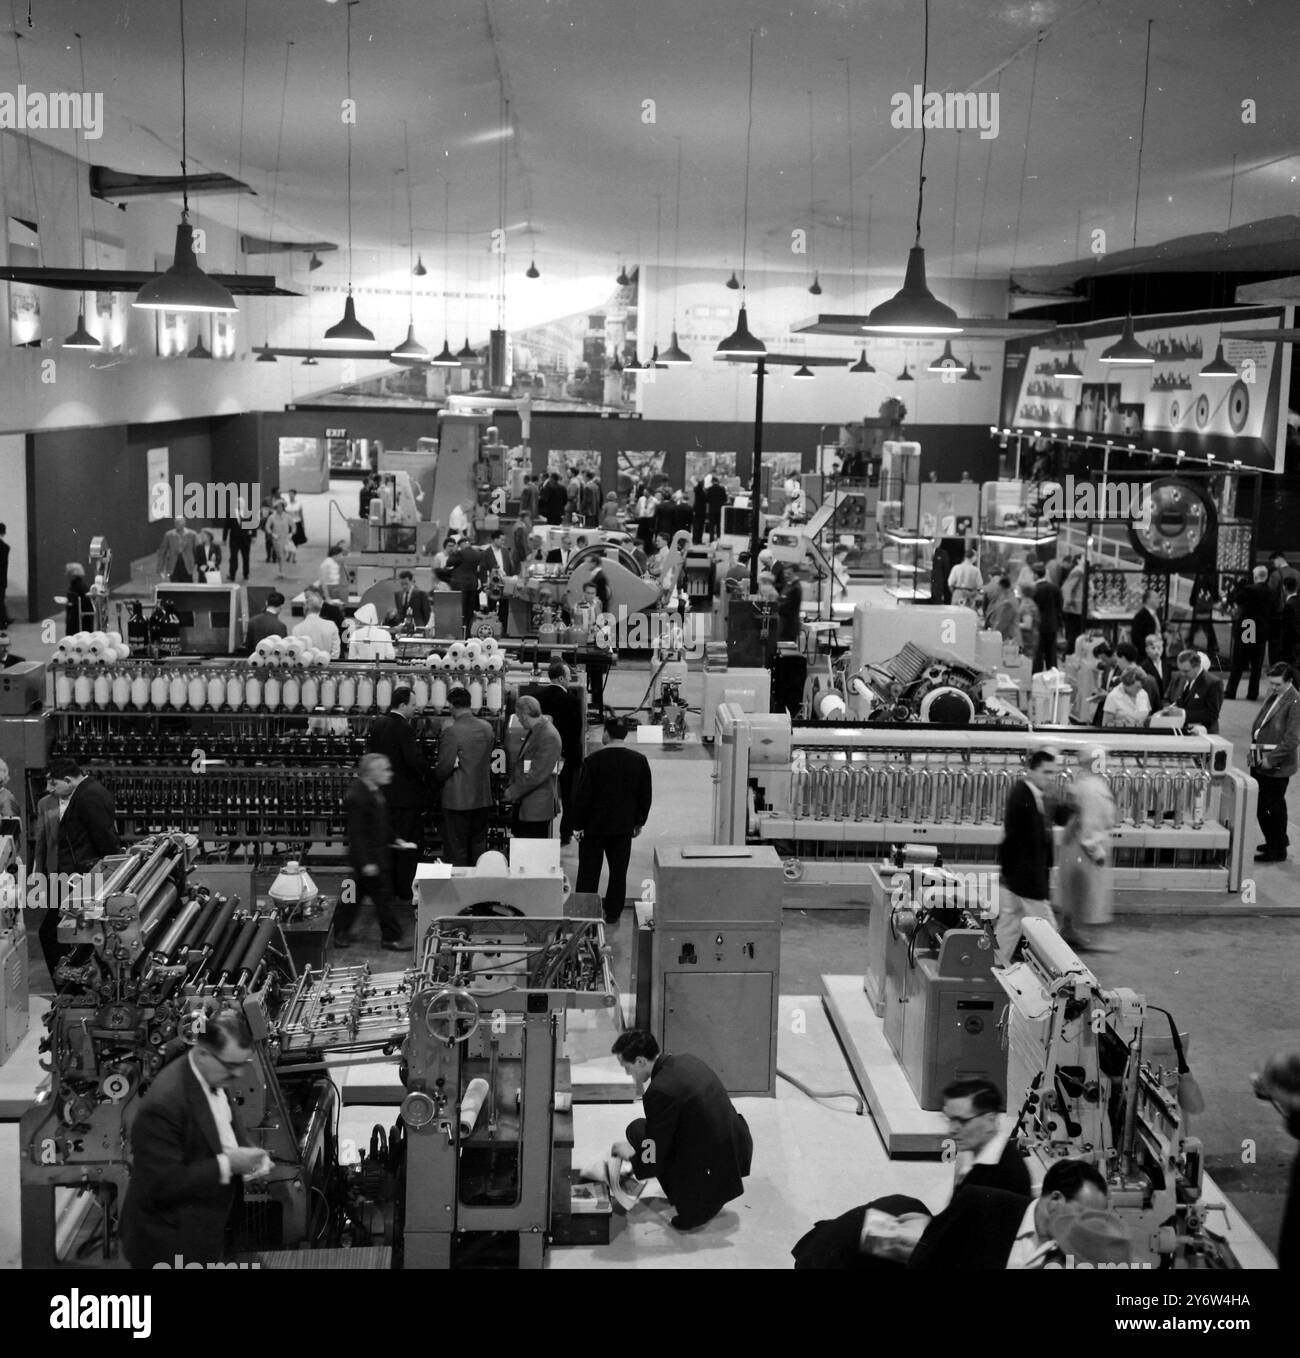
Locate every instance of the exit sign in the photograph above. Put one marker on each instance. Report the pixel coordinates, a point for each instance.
(336, 433)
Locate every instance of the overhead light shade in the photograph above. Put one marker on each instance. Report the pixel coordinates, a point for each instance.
(733, 282)
(1071, 372)
(905, 376)
(200, 350)
(410, 347)
(622, 280)
(803, 373)
(815, 286)
(184, 287)
(419, 271)
(1126, 349)
(349, 330)
(445, 358)
(314, 262)
(674, 354)
(531, 270)
(970, 375)
(862, 366)
(264, 354)
(1218, 366)
(467, 354)
(740, 342)
(310, 362)
(81, 338)
(914, 309)
(945, 361)
(633, 365)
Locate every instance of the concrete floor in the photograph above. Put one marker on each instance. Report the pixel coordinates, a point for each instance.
(1230, 980)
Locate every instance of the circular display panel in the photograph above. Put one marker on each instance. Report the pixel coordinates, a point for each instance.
(1238, 406)
(1179, 527)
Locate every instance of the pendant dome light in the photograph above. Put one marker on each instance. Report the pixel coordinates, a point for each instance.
(531, 270)
(970, 375)
(410, 352)
(1218, 366)
(914, 309)
(1127, 348)
(349, 330)
(314, 263)
(740, 343)
(200, 350)
(184, 287)
(862, 366)
(81, 338)
(733, 282)
(803, 373)
(445, 358)
(905, 376)
(265, 354)
(1070, 371)
(310, 362)
(815, 287)
(946, 362)
(419, 270)
(675, 355)
(622, 280)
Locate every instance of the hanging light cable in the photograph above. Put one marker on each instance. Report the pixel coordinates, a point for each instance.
(1219, 366)
(349, 330)
(410, 351)
(81, 338)
(445, 358)
(740, 342)
(265, 355)
(184, 287)
(675, 354)
(815, 286)
(466, 354)
(1127, 349)
(914, 309)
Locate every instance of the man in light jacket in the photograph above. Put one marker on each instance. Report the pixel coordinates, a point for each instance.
(1274, 738)
(534, 787)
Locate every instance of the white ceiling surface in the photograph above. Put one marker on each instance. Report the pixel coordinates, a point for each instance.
(584, 169)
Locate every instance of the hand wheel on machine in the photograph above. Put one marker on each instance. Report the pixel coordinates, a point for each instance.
(452, 1016)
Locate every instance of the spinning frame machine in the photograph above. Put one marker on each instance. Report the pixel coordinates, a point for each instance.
(152, 954)
(834, 797)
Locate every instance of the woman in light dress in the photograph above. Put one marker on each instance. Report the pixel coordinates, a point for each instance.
(1085, 885)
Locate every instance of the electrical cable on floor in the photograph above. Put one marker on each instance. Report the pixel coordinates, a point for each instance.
(825, 1094)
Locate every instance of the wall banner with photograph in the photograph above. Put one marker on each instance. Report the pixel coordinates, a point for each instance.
(701, 463)
(636, 467)
(568, 460)
(1167, 405)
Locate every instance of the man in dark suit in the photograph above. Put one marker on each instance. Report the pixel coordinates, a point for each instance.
(691, 1139)
(1196, 692)
(394, 736)
(551, 499)
(267, 623)
(1288, 640)
(1146, 622)
(1252, 620)
(1274, 740)
(4, 578)
(564, 707)
(989, 1228)
(1050, 605)
(534, 787)
(500, 559)
(716, 493)
(464, 773)
(465, 571)
(986, 1157)
(610, 808)
(699, 510)
(1026, 853)
(408, 597)
(369, 854)
(519, 539)
(76, 826)
(187, 1150)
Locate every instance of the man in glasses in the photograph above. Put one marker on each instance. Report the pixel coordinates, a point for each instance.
(984, 1153)
(187, 1151)
(1280, 1086)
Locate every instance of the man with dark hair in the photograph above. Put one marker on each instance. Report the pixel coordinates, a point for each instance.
(1002, 614)
(1146, 621)
(188, 1148)
(4, 579)
(76, 826)
(268, 623)
(408, 599)
(464, 772)
(989, 1228)
(369, 854)
(1280, 1085)
(1196, 692)
(986, 1155)
(528, 497)
(394, 736)
(501, 560)
(551, 499)
(1026, 852)
(564, 707)
(465, 571)
(716, 494)
(691, 1139)
(1252, 623)
(1048, 601)
(610, 808)
(1274, 740)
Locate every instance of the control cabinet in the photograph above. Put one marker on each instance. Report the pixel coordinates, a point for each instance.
(716, 959)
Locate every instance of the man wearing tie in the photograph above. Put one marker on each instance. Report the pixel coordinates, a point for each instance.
(1196, 693)
(408, 597)
(1274, 738)
(501, 560)
(187, 1150)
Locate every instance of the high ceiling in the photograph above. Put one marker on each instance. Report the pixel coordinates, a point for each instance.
(584, 167)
